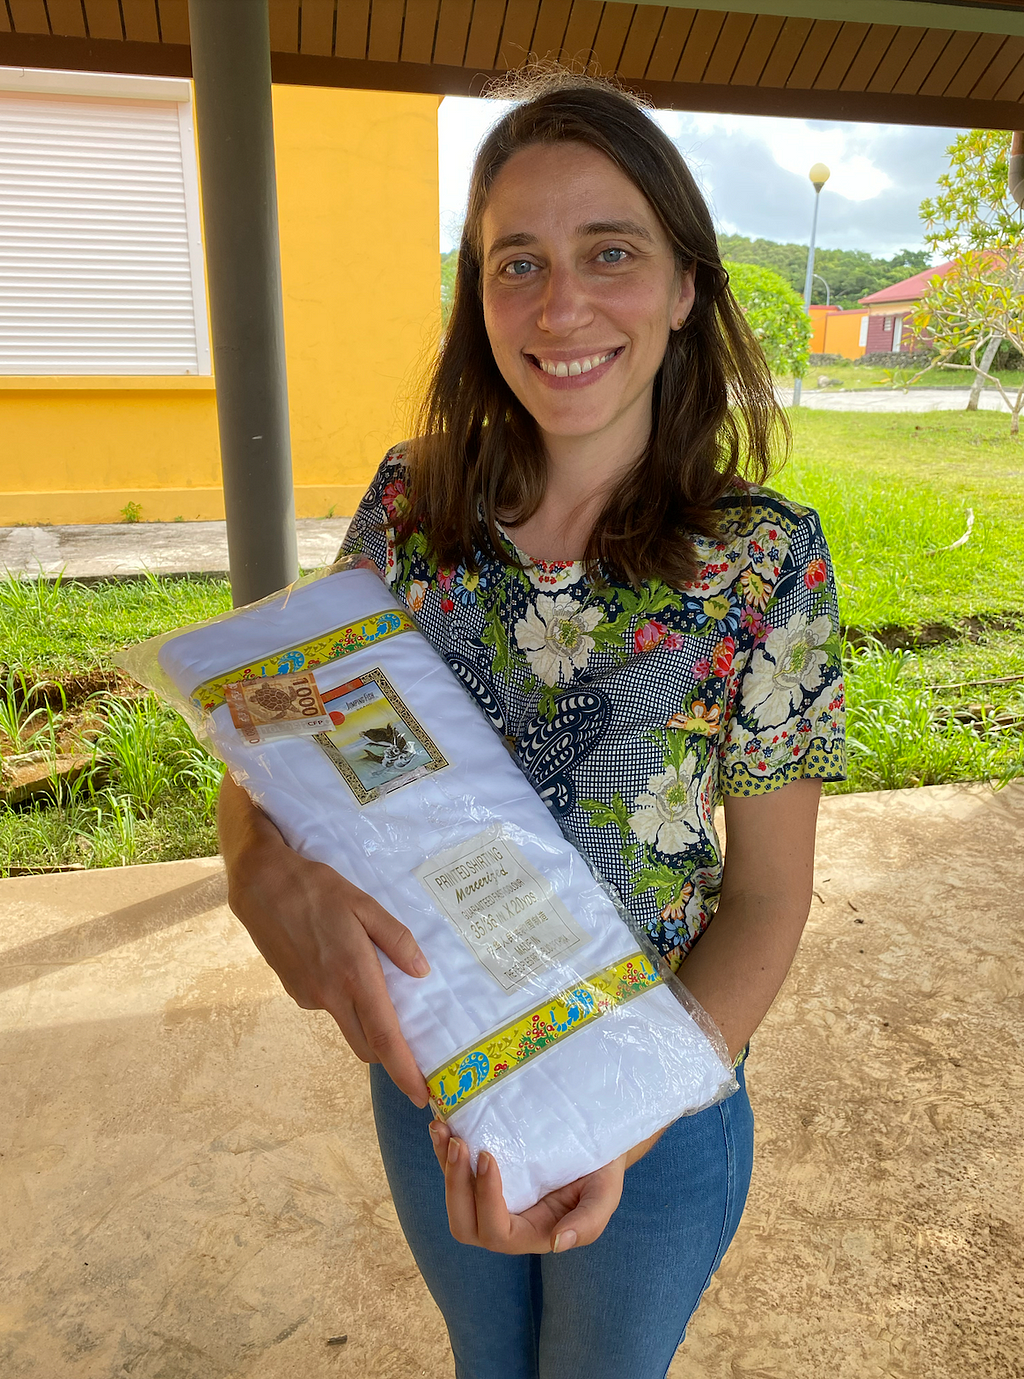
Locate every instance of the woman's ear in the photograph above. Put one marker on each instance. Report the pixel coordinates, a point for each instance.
(684, 301)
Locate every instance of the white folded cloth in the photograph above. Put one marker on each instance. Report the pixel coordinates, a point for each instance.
(451, 786)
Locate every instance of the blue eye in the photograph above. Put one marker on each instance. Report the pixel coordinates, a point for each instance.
(623, 253)
(518, 268)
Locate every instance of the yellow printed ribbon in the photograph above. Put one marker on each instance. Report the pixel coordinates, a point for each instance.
(342, 641)
(483, 1064)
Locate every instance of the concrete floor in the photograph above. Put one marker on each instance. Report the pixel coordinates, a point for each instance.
(190, 1185)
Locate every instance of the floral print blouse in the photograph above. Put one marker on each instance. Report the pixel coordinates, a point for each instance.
(634, 712)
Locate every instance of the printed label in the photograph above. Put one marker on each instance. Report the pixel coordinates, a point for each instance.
(373, 739)
(510, 917)
(276, 706)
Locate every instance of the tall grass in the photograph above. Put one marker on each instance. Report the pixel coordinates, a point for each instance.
(896, 737)
(150, 794)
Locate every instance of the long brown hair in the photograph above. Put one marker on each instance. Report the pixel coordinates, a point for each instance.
(480, 457)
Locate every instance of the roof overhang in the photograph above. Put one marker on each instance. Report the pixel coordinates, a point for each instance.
(944, 62)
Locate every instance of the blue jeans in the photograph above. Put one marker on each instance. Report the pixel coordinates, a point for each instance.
(615, 1309)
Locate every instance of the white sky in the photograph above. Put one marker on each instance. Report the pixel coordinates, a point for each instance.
(753, 170)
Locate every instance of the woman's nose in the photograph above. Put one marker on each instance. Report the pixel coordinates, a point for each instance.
(565, 305)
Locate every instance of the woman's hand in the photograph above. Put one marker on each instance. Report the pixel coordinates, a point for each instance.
(318, 931)
(573, 1215)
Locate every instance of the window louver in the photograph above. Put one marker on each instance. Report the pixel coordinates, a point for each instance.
(99, 246)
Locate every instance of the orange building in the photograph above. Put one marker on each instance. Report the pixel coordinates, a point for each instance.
(881, 324)
(835, 331)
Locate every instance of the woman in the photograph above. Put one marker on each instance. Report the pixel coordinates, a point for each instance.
(651, 633)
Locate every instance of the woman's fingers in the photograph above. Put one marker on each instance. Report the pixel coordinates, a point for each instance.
(439, 1137)
(600, 1194)
(496, 1227)
(317, 932)
(376, 1022)
(459, 1196)
(478, 1214)
(391, 936)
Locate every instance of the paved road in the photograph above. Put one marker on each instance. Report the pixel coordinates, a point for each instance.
(892, 400)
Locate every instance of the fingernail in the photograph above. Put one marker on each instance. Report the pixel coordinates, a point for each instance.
(482, 1164)
(565, 1241)
(421, 967)
(453, 1150)
(434, 1129)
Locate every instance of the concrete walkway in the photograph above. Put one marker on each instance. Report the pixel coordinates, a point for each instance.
(190, 1185)
(114, 550)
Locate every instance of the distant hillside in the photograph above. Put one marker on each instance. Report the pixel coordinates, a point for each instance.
(850, 273)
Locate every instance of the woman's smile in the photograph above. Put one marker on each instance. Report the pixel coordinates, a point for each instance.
(576, 371)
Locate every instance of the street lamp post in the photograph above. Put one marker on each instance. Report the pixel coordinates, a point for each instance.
(819, 175)
(828, 290)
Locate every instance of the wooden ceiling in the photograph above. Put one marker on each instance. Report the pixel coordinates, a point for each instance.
(947, 62)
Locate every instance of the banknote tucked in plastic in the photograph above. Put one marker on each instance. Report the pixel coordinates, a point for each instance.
(276, 706)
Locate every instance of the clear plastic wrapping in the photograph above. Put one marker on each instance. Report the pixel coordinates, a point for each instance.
(545, 1029)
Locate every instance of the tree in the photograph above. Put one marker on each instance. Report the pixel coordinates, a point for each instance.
(775, 313)
(449, 264)
(850, 273)
(974, 221)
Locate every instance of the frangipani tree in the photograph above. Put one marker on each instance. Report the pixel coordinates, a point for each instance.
(977, 305)
(974, 221)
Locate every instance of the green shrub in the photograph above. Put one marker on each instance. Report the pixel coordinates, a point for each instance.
(775, 314)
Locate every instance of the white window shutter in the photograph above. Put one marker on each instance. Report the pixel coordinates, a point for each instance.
(100, 256)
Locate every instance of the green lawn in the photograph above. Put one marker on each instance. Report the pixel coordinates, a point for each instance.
(66, 630)
(889, 487)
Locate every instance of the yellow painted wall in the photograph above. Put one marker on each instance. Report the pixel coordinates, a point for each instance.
(358, 209)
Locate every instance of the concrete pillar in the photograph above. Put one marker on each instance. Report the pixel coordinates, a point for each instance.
(231, 68)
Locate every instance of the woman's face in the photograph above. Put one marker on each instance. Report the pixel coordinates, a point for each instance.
(580, 291)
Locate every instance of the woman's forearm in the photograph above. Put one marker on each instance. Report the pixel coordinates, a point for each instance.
(738, 967)
(736, 971)
(246, 834)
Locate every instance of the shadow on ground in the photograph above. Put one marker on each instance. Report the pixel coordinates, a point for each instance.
(191, 1187)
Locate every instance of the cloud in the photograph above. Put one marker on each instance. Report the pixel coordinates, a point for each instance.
(753, 170)
(755, 178)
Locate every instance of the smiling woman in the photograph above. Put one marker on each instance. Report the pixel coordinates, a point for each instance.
(621, 272)
(652, 634)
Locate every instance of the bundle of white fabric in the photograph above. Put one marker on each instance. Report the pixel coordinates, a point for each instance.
(544, 1032)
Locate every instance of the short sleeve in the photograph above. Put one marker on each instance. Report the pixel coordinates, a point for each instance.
(786, 709)
(371, 532)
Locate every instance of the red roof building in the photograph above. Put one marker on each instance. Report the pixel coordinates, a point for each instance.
(887, 327)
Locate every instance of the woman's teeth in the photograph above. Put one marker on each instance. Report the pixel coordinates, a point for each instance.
(576, 366)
